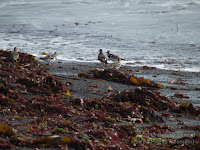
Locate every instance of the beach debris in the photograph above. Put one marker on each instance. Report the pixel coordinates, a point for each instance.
(180, 95)
(147, 67)
(59, 130)
(166, 115)
(193, 127)
(155, 128)
(7, 130)
(188, 107)
(65, 141)
(177, 82)
(117, 76)
(68, 93)
(45, 141)
(48, 116)
(109, 119)
(43, 53)
(145, 98)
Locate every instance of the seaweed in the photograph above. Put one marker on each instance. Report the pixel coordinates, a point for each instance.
(38, 111)
(117, 76)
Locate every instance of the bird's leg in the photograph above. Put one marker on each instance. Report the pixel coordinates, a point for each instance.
(49, 63)
(103, 65)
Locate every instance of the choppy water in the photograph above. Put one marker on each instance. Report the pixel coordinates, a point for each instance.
(160, 33)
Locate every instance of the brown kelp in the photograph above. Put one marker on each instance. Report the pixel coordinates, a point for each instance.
(118, 76)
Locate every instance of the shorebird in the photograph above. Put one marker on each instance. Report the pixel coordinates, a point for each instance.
(116, 64)
(113, 57)
(14, 54)
(101, 57)
(50, 57)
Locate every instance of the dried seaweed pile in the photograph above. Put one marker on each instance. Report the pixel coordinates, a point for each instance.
(37, 110)
(117, 76)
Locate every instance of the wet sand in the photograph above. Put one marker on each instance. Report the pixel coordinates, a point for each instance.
(175, 82)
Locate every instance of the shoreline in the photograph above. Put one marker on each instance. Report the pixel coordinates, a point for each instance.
(64, 105)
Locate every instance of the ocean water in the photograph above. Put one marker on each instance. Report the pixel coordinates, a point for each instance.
(159, 33)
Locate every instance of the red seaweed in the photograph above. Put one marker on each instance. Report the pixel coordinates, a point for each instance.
(38, 111)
